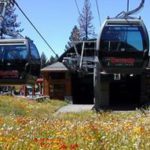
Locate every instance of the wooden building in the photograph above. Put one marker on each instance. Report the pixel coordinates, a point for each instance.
(57, 81)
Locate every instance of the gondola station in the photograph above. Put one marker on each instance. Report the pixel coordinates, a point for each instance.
(66, 80)
(111, 71)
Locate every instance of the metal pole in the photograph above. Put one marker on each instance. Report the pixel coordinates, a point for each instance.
(136, 9)
(128, 5)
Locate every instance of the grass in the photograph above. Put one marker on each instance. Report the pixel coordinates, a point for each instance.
(29, 125)
(28, 108)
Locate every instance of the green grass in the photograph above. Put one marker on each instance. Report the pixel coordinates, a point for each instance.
(24, 107)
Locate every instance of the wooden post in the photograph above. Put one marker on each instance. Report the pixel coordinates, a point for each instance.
(46, 83)
(41, 88)
(25, 90)
(33, 90)
(68, 85)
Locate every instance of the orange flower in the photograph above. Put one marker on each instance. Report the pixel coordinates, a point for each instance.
(1, 120)
(63, 147)
(74, 146)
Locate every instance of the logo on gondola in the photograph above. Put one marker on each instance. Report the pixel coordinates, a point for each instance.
(9, 74)
(121, 61)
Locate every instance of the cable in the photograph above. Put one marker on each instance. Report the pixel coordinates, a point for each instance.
(35, 28)
(98, 11)
(77, 7)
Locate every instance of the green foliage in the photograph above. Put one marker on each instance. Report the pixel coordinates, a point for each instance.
(10, 26)
(45, 62)
(51, 60)
(75, 36)
(85, 31)
(85, 22)
(23, 107)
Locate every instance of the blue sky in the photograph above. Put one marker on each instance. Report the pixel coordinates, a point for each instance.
(55, 19)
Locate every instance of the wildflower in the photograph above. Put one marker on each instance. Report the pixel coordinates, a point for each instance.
(74, 146)
(10, 128)
(128, 126)
(138, 130)
(63, 147)
(1, 120)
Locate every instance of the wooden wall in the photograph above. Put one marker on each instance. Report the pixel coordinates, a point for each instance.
(57, 88)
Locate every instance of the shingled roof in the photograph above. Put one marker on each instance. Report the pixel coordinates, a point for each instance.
(58, 66)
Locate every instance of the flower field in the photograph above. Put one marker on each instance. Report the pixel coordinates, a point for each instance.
(29, 125)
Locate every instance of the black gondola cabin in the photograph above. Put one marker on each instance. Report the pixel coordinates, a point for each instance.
(123, 46)
(19, 59)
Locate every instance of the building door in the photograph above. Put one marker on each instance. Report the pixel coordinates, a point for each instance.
(57, 91)
(82, 89)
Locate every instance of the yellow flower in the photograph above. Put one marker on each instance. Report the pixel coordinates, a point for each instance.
(1, 138)
(138, 130)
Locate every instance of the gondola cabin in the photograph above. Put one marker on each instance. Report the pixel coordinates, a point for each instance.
(123, 46)
(19, 61)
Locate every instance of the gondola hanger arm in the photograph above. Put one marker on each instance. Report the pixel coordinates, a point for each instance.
(126, 14)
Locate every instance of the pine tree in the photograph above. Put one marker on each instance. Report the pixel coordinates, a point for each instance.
(75, 36)
(43, 60)
(51, 60)
(9, 25)
(85, 18)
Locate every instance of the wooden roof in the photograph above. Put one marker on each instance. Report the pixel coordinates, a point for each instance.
(58, 67)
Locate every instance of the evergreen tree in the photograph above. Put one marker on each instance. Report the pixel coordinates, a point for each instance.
(51, 60)
(43, 60)
(75, 36)
(85, 18)
(9, 25)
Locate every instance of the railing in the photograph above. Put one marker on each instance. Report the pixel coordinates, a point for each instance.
(84, 56)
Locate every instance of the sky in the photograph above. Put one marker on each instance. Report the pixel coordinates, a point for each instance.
(55, 19)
